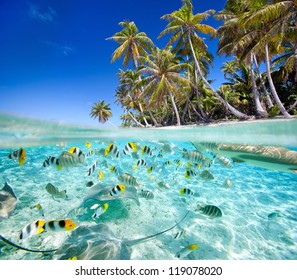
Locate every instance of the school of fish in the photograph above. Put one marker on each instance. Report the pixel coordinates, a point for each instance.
(127, 165)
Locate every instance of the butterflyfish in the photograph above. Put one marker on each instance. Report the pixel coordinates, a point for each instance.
(180, 235)
(186, 251)
(90, 153)
(186, 191)
(19, 155)
(32, 229)
(112, 150)
(99, 209)
(100, 175)
(92, 168)
(40, 209)
(129, 148)
(140, 162)
(190, 173)
(115, 191)
(146, 150)
(50, 161)
(114, 170)
(150, 169)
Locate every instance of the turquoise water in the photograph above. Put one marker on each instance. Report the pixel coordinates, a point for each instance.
(259, 213)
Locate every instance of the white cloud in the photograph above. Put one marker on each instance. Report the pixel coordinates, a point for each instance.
(46, 16)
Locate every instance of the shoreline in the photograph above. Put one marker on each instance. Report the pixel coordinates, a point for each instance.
(217, 123)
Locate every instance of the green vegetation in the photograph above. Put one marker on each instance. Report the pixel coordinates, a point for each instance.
(170, 87)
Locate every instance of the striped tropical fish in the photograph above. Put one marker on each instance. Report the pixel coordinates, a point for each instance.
(51, 189)
(210, 210)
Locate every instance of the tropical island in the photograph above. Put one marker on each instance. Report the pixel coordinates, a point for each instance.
(170, 86)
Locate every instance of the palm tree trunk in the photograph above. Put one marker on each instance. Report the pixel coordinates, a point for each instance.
(175, 109)
(185, 112)
(152, 117)
(266, 93)
(203, 114)
(260, 112)
(136, 121)
(271, 84)
(295, 61)
(234, 111)
(142, 114)
(150, 112)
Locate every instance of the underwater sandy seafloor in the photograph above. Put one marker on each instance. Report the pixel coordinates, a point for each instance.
(246, 230)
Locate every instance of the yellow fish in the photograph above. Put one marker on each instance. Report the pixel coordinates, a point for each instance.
(88, 144)
(100, 175)
(18, 154)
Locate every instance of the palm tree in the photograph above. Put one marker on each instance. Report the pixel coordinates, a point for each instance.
(102, 111)
(163, 78)
(126, 102)
(185, 25)
(255, 27)
(132, 45)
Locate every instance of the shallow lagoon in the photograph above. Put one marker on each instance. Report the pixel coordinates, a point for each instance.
(243, 232)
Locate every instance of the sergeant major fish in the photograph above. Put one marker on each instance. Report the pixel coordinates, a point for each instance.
(210, 210)
(67, 159)
(146, 194)
(129, 180)
(51, 189)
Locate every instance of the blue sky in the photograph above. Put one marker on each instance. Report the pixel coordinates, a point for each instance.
(55, 61)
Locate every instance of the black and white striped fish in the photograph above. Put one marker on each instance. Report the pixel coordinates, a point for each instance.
(112, 150)
(67, 159)
(130, 148)
(210, 210)
(51, 189)
(115, 191)
(180, 235)
(129, 180)
(140, 162)
(146, 194)
(50, 161)
(92, 168)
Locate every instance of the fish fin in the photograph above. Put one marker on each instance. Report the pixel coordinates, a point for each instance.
(59, 167)
(134, 167)
(40, 230)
